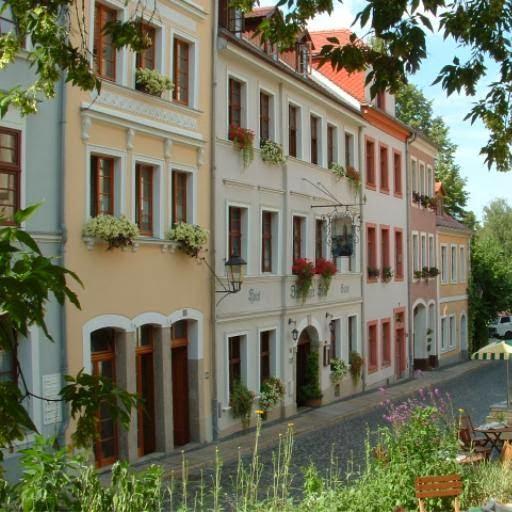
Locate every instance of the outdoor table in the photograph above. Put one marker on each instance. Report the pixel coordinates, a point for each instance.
(493, 434)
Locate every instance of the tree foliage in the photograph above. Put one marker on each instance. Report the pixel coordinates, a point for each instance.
(413, 108)
(28, 281)
(491, 279)
(481, 26)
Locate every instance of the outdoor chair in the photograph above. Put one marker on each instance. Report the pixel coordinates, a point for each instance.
(444, 486)
(469, 437)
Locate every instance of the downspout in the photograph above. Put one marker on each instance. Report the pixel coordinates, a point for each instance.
(361, 249)
(213, 174)
(63, 231)
(409, 141)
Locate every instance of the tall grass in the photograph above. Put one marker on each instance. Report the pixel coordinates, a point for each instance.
(420, 440)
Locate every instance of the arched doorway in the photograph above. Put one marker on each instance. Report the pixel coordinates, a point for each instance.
(303, 349)
(180, 396)
(103, 362)
(145, 390)
(420, 337)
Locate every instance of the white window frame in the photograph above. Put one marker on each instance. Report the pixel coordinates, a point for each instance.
(336, 147)
(119, 177)
(352, 152)
(191, 192)
(246, 232)
(244, 105)
(276, 239)
(462, 264)
(121, 53)
(414, 177)
(415, 253)
(444, 264)
(320, 137)
(431, 251)
(304, 235)
(160, 50)
(193, 72)
(452, 330)
(158, 192)
(272, 108)
(274, 352)
(345, 350)
(454, 268)
(423, 251)
(300, 129)
(244, 368)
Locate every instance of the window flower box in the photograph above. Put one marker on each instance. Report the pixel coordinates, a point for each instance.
(190, 238)
(152, 82)
(116, 231)
(243, 139)
(272, 153)
(325, 269)
(304, 270)
(373, 272)
(387, 274)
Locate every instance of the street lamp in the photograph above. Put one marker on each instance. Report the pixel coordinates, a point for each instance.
(235, 271)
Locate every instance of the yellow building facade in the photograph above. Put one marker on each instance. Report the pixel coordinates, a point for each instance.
(453, 243)
(145, 317)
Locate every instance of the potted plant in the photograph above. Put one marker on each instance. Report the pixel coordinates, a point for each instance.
(373, 272)
(152, 82)
(425, 201)
(337, 169)
(304, 270)
(433, 272)
(271, 393)
(241, 401)
(416, 197)
(418, 274)
(311, 393)
(191, 238)
(425, 273)
(356, 364)
(338, 371)
(325, 269)
(354, 178)
(271, 152)
(243, 141)
(387, 274)
(116, 231)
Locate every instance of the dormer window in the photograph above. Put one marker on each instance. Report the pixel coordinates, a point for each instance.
(303, 59)
(380, 100)
(230, 18)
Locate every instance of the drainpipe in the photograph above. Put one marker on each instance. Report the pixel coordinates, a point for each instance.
(361, 250)
(285, 328)
(408, 142)
(213, 176)
(63, 229)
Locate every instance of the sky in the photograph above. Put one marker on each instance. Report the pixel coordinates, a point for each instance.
(483, 185)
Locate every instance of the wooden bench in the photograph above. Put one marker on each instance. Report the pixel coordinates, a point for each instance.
(438, 487)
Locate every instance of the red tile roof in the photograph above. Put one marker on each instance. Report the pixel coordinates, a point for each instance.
(448, 221)
(353, 83)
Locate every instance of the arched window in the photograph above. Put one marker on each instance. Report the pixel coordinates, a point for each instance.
(103, 360)
(145, 390)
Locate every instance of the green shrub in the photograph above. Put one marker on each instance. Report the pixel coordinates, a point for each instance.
(241, 402)
(311, 390)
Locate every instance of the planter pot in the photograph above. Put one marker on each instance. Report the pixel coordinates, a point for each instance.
(433, 361)
(313, 402)
(337, 389)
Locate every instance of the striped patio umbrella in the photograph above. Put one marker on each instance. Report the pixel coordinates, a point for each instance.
(496, 350)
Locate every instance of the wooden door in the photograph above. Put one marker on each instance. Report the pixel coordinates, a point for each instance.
(303, 349)
(399, 351)
(179, 347)
(146, 391)
(103, 365)
(180, 395)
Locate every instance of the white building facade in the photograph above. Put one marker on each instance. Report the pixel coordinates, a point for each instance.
(271, 215)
